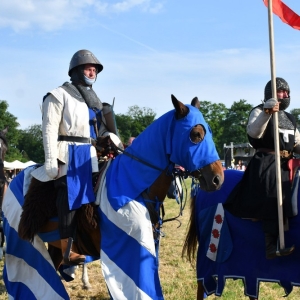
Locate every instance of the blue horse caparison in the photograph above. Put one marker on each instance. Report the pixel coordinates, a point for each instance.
(241, 252)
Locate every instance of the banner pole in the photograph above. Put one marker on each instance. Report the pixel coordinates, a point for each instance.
(275, 125)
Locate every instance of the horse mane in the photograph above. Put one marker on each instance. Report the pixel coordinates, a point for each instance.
(191, 242)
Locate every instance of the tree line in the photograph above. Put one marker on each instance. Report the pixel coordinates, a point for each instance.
(227, 124)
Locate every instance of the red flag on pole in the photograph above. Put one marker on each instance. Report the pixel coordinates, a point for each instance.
(287, 15)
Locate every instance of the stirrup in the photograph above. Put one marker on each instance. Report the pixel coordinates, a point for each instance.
(277, 252)
(73, 261)
(67, 257)
(285, 252)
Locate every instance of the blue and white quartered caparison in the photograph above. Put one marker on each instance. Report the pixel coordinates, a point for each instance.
(128, 258)
(32, 274)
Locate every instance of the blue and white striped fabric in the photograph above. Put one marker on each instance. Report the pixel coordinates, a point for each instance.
(128, 256)
(28, 272)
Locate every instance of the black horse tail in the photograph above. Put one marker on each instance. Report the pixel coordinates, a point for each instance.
(191, 242)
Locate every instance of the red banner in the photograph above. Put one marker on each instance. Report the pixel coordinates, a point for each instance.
(287, 15)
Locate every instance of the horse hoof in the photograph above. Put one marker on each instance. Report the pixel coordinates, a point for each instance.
(87, 287)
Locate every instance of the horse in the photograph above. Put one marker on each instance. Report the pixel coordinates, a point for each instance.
(127, 206)
(226, 246)
(175, 191)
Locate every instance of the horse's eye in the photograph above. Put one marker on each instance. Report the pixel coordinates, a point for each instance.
(197, 134)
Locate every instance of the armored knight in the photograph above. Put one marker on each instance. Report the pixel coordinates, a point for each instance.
(256, 195)
(73, 115)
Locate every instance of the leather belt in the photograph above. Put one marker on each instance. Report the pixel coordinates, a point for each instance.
(77, 139)
(283, 153)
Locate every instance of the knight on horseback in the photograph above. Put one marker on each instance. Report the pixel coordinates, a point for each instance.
(255, 197)
(73, 117)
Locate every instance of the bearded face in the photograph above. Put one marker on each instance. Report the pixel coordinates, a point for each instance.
(283, 92)
(284, 103)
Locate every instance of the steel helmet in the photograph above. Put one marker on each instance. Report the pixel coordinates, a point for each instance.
(83, 57)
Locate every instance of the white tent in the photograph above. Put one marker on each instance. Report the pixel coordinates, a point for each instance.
(17, 164)
(29, 163)
(14, 165)
(8, 165)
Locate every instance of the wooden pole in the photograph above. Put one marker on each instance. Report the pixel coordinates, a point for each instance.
(276, 133)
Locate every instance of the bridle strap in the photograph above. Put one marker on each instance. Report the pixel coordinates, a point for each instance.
(138, 159)
(184, 174)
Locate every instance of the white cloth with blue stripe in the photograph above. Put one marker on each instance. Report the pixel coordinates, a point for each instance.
(31, 273)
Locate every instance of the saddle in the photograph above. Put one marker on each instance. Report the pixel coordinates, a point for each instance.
(40, 209)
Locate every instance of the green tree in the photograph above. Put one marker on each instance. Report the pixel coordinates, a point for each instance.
(296, 113)
(7, 119)
(235, 123)
(215, 114)
(142, 117)
(134, 122)
(124, 127)
(31, 144)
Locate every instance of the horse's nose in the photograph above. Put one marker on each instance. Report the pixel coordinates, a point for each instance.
(217, 182)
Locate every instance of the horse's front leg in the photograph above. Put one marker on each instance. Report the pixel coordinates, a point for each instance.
(85, 277)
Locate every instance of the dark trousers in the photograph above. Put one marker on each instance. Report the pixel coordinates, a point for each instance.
(66, 217)
(271, 226)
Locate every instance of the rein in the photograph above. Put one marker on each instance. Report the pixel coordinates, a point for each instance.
(183, 174)
(137, 158)
(179, 201)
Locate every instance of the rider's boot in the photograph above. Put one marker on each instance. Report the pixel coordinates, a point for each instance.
(272, 247)
(70, 257)
(66, 224)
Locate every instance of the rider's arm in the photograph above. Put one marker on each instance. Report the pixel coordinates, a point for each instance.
(52, 114)
(258, 121)
(259, 118)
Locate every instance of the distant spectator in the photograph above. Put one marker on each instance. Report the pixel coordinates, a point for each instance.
(130, 140)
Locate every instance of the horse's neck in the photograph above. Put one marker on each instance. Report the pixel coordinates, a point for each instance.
(153, 143)
(160, 187)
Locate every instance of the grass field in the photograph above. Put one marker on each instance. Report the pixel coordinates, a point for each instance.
(178, 277)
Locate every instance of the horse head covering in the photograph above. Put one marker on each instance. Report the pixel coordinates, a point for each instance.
(165, 142)
(186, 153)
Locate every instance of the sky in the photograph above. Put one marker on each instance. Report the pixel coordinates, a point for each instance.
(216, 50)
